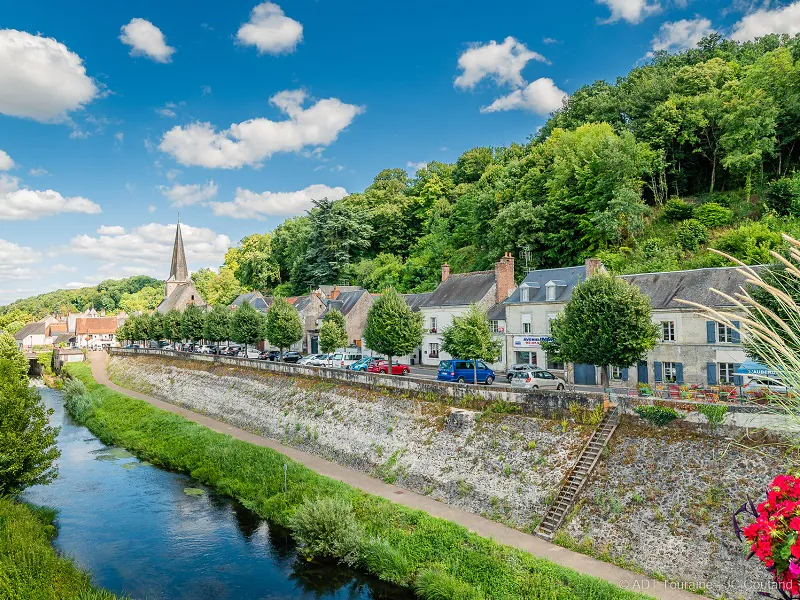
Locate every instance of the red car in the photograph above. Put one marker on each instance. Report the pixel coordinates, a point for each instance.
(382, 366)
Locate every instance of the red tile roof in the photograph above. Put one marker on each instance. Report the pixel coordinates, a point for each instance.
(95, 325)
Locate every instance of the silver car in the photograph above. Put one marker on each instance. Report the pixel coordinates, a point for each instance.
(526, 367)
(539, 379)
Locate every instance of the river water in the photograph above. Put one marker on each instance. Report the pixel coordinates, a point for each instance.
(150, 533)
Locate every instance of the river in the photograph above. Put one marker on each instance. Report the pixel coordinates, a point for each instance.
(150, 533)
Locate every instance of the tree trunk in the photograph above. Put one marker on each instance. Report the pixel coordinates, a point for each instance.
(604, 376)
(280, 354)
(475, 371)
(713, 169)
(389, 372)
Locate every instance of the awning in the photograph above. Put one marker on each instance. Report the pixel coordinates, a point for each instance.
(751, 367)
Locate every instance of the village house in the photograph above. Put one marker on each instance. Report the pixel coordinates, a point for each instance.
(96, 333)
(33, 334)
(692, 349)
(179, 291)
(415, 303)
(453, 297)
(354, 303)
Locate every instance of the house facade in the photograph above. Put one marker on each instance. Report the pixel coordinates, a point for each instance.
(354, 303)
(692, 349)
(96, 333)
(33, 334)
(453, 297)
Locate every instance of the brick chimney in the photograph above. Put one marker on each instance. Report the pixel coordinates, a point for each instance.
(594, 266)
(335, 292)
(504, 277)
(445, 272)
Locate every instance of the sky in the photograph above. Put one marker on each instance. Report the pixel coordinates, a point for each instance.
(117, 117)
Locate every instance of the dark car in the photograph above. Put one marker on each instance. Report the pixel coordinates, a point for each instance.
(132, 346)
(230, 350)
(291, 356)
(270, 354)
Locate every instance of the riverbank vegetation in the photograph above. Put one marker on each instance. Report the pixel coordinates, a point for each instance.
(330, 519)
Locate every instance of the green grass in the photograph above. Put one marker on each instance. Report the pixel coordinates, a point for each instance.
(29, 567)
(330, 518)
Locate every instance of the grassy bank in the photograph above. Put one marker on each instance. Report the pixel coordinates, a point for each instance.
(439, 559)
(29, 567)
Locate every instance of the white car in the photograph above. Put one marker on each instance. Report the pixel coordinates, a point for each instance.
(521, 367)
(254, 353)
(205, 350)
(763, 386)
(540, 379)
(310, 358)
(342, 360)
(317, 360)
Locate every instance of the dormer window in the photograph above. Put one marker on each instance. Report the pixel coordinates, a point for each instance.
(524, 293)
(550, 291)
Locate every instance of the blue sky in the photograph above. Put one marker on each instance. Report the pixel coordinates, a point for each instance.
(114, 116)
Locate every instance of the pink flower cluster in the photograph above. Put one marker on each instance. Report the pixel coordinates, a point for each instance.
(773, 536)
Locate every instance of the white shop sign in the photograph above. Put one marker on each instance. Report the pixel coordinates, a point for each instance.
(530, 341)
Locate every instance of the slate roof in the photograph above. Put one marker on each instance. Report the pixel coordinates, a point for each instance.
(255, 299)
(180, 299)
(328, 289)
(95, 325)
(35, 328)
(497, 312)
(567, 278)
(301, 302)
(462, 289)
(416, 301)
(346, 301)
(178, 270)
(664, 289)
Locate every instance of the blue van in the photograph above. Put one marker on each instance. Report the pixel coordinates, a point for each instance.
(462, 371)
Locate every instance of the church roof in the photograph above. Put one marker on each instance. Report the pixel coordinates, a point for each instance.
(178, 271)
(183, 295)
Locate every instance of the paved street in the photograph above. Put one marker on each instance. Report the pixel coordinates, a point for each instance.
(430, 373)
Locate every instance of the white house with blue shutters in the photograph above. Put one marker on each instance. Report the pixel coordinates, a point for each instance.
(692, 349)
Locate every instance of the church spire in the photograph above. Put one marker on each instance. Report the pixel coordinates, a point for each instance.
(178, 271)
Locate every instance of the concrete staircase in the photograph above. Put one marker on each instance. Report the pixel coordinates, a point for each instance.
(579, 474)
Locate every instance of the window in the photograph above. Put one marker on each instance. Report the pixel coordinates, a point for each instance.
(526, 357)
(433, 350)
(726, 371)
(670, 372)
(494, 326)
(550, 291)
(550, 318)
(668, 331)
(616, 372)
(557, 366)
(724, 334)
(524, 294)
(433, 324)
(526, 328)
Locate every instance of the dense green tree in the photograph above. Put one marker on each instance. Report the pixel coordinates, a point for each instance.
(155, 326)
(142, 301)
(253, 264)
(607, 322)
(283, 326)
(471, 165)
(218, 324)
(172, 326)
(217, 288)
(248, 325)
(392, 327)
(193, 322)
(470, 336)
(28, 449)
(332, 332)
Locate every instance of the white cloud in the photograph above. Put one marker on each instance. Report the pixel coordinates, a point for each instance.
(172, 174)
(205, 90)
(40, 78)
(632, 11)
(59, 268)
(549, 40)
(111, 230)
(119, 139)
(785, 19)
(252, 205)
(270, 30)
(416, 166)
(152, 208)
(250, 142)
(130, 187)
(6, 164)
(186, 195)
(38, 172)
(24, 204)
(145, 39)
(150, 246)
(12, 256)
(167, 113)
(540, 97)
(680, 35)
(501, 62)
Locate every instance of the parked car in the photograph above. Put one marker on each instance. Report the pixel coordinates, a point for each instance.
(270, 355)
(539, 379)
(206, 349)
(132, 346)
(290, 356)
(312, 360)
(168, 347)
(230, 350)
(250, 353)
(361, 365)
(521, 367)
(378, 365)
(462, 371)
(343, 359)
(763, 386)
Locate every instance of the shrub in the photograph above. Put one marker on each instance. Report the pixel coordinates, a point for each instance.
(691, 234)
(783, 196)
(715, 413)
(77, 400)
(677, 210)
(433, 584)
(713, 215)
(327, 527)
(658, 415)
(73, 388)
(382, 559)
(750, 242)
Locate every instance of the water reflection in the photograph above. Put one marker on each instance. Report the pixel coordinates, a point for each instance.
(133, 526)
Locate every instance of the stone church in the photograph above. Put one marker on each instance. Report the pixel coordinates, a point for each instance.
(179, 291)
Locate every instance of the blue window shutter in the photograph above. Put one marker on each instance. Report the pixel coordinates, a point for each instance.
(737, 379)
(735, 337)
(657, 371)
(711, 332)
(624, 374)
(643, 374)
(678, 372)
(712, 373)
